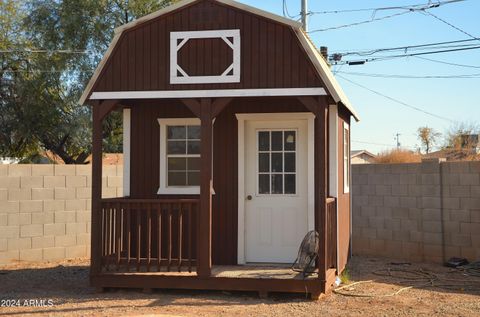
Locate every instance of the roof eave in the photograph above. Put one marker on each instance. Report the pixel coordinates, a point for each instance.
(319, 63)
(323, 70)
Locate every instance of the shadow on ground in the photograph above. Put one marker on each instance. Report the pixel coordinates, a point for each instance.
(68, 286)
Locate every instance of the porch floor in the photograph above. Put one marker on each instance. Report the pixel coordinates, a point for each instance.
(248, 271)
(263, 278)
(258, 271)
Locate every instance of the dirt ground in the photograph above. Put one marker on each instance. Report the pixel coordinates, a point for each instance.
(438, 291)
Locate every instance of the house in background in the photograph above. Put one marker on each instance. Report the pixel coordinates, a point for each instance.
(8, 160)
(236, 144)
(362, 157)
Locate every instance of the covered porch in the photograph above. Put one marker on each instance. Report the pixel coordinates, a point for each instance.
(165, 241)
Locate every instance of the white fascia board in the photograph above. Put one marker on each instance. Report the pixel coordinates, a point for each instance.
(167, 94)
(324, 71)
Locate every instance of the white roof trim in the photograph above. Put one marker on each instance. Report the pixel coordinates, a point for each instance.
(324, 71)
(99, 68)
(231, 3)
(166, 94)
(319, 63)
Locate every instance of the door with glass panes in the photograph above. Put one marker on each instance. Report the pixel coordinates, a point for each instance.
(276, 213)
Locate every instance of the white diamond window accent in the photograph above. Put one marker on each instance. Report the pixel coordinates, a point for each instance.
(179, 39)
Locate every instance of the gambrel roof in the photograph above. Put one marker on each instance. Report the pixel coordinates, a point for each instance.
(321, 66)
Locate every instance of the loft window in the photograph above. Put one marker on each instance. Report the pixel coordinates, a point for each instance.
(231, 74)
(346, 157)
(179, 156)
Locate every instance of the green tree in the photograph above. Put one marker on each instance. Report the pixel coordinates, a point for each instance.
(50, 49)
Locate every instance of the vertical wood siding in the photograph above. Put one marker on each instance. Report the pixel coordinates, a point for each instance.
(271, 56)
(145, 160)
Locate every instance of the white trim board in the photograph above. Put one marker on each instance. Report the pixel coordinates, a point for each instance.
(164, 189)
(166, 94)
(179, 39)
(346, 158)
(241, 118)
(126, 150)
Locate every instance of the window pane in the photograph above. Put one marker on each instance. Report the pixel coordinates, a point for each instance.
(193, 179)
(290, 162)
(277, 184)
(193, 132)
(277, 142)
(277, 162)
(264, 141)
(177, 164)
(193, 147)
(176, 132)
(290, 184)
(264, 184)
(290, 141)
(264, 162)
(176, 147)
(177, 178)
(193, 163)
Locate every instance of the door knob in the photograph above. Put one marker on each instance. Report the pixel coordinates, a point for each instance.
(249, 197)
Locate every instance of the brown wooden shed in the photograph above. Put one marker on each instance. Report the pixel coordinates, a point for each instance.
(236, 144)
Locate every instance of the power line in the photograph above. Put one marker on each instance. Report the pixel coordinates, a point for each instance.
(477, 75)
(447, 63)
(397, 101)
(359, 23)
(405, 7)
(42, 71)
(451, 25)
(382, 144)
(382, 58)
(366, 52)
(427, 53)
(408, 9)
(45, 51)
(373, 143)
(285, 11)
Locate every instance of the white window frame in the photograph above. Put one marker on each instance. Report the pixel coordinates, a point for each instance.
(184, 37)
(346, 158)
(283, 173)
(173, 190)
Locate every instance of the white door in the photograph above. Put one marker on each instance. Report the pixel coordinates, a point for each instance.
(276, 202)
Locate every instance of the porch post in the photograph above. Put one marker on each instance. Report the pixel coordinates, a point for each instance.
(319, 107)
(100, 110)
(204, 250)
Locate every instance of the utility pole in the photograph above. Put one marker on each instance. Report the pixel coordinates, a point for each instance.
(397, 138)
(304, 15)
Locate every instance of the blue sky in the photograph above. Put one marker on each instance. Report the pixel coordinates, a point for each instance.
(381, 119)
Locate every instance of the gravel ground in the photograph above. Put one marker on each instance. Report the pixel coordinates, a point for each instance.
(448, 293)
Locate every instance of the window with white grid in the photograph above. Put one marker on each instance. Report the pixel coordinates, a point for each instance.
(179, 156)
(276, 163)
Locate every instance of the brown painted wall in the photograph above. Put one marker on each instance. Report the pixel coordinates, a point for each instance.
(145, 158)
(271, 56)
(343, 201)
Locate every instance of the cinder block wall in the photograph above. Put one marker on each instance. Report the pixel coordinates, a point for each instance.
(45, 210)
(428, 211)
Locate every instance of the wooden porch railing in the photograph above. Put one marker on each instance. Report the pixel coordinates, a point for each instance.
(145, 235)
(331, 233)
